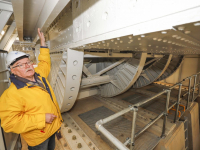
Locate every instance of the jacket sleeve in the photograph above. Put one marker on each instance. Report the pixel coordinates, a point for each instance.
(44, 65)
(14, 119)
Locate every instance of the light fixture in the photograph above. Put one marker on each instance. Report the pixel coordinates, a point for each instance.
(2, 32)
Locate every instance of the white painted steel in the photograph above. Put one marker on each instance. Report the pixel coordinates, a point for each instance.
(49, 12)
(18, 9)
(153, 72)
(114, 18)
(124, 76)
(10, 42)
(7, 36)
(110, 67)
(95, 81)
(4, 16)
(98, 55)
(6, 6)
(68, 77)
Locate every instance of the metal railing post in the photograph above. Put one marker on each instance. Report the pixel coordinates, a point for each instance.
(195, 80)
(188, 99)
(199, 87)
(135, 109)
(166, 113)
(178, 102)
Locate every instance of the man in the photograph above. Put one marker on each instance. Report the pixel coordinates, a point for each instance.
(29, 107)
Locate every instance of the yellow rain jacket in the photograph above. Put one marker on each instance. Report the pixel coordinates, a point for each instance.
(23, 106)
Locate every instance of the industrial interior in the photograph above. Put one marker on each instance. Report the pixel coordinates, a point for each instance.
(125, 72)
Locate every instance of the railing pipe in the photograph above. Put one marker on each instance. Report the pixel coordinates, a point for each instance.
(116, 115)
(166, 113)
(195, 80)
(149, 125)
(133, 127)
(188, 99)
(199, 87)
(178, 102)
(109, 136)
(149, 99)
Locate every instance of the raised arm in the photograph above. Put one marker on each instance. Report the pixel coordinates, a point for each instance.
(44, 65)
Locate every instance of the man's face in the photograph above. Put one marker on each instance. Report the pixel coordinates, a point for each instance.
(25, 71)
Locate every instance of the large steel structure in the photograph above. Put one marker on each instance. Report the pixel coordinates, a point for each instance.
(107, 47)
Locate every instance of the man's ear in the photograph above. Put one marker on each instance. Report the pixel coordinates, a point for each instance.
(12, 71)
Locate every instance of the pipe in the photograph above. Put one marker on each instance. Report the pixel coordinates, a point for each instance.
(112, 117)
(195, 80)
(188, 99)
(178, 102)
(109, 136)
(149, 124)
(166, 112)
(109, 67)
(133, 128)
(149, 99)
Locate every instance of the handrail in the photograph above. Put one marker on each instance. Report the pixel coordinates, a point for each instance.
(134, 108)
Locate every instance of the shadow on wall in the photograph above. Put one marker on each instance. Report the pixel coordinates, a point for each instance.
(190, 66)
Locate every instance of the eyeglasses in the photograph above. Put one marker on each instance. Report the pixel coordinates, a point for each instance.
(23, 65)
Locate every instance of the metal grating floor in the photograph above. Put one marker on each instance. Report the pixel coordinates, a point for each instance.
(120, 127)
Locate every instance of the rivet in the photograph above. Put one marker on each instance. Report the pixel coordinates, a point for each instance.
(142, 35)
(79, 145)
(174, 36)
(163, 32)
(83, 135)
(65, 145)
(139, 38)
(154, 39)
(159, 39)
(118, 38)
(66, 125)
(121, 41)
(181, 28)
(130, 37)
(69, 131)
(115, 42)
(90, 144)
(164, 40)
(187, 32)
(112, 40)
(73, 137)
(197, 24)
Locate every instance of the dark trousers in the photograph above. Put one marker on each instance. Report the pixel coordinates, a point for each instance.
(49, 144)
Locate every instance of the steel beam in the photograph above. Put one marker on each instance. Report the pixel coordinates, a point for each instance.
(105, 55)
(4, 16)
(10, 42)
(7, 36)
(18, 9)
(49, 12)
(99, 14)
(6, 6)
